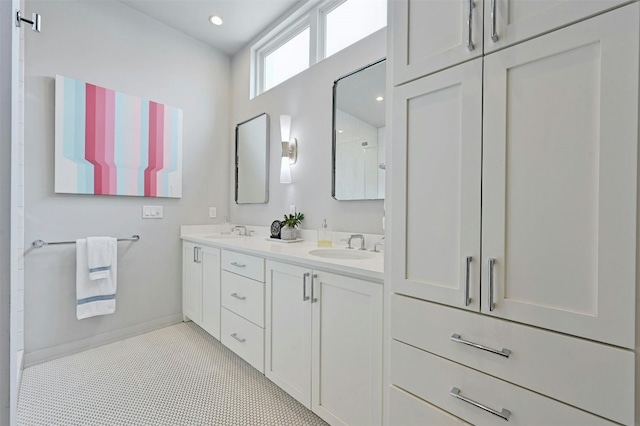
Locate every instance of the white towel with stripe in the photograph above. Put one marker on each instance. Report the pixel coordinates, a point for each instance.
(99, 254)
(94, 297)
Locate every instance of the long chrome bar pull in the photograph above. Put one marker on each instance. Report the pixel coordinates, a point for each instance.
(492, 304)
(237, 296)
(470, 44)
(239, 339)
(494, 33)
(467, 299)
(458, 339)
(504, 414)
(304, 286)
(313, 284)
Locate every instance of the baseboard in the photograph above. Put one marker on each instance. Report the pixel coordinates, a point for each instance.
(20, 367)
(48, 354)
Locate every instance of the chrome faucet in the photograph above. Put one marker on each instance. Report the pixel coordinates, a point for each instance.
(379, 243)
(351, 237)
(239, 228)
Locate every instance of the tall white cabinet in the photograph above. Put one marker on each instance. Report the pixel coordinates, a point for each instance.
(515, 190)
(560, 151)
(429, 36)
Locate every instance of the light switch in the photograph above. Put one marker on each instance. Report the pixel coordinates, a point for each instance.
(212, 212)
(152, 212)
(292, 209)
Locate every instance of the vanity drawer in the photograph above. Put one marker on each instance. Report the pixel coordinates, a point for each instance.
(243, 337)
(243, 296)
(435, 379)
(407, 410)
(588, 375)
(243, 264)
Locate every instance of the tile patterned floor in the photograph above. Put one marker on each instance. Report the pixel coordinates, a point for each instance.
(177, 376)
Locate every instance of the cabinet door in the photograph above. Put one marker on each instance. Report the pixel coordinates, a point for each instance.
(432, 35)
(437, 132)
(346, 350)
(560, 179)
(511, 21)
(211, 291)
(288, 329)
(192, 282)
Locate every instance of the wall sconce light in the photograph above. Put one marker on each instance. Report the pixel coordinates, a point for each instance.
(289, 149)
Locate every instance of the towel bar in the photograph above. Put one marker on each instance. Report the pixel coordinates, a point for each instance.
(40, 243)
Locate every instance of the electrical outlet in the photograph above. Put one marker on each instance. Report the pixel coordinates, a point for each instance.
(292, 209)
(152, 212)
(212, 212)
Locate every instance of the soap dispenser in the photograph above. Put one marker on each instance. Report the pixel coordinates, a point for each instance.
(226, 226)
(324, 235)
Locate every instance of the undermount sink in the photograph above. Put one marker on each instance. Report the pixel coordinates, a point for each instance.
(343, 254)
(222, 236)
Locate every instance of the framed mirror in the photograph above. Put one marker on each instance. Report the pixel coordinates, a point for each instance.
(359, 134)
(252, 160)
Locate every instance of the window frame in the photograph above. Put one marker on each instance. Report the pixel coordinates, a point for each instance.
(276, 42)
(323, 10)
(313, 16)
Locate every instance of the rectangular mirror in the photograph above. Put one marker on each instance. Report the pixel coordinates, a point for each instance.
(252, 161)
(359, 134)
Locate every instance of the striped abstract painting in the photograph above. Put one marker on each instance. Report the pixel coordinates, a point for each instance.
(110, 143)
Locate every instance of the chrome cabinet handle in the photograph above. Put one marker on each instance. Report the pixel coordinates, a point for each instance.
(239, 339)
(238, 297)
(494, 34)
(470, 44)
(304, 286)
(504, 352)
(239, 265)
(467, 299)
(504, 414)
(313, 284)
(492, 305)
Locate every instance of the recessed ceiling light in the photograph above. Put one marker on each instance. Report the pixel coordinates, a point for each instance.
(339, 131)
(379, 98)
(215, 20)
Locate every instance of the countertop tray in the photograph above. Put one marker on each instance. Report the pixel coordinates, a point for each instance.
(278, 240)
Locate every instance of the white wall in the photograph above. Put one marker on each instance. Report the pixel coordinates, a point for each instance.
(5, 202)
(308, 98)
(16, 332)
(110, 44)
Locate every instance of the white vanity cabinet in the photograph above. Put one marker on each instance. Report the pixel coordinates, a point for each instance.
(515, 191)
(433, 35)
(324, 342)
(201, 286)
(242, 328)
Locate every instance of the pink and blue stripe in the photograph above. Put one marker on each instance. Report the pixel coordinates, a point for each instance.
(120, 144)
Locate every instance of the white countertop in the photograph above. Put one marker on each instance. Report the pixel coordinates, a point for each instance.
(371, 269)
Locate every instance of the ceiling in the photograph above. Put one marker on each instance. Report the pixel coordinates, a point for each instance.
(242, 19)
(357, 94)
